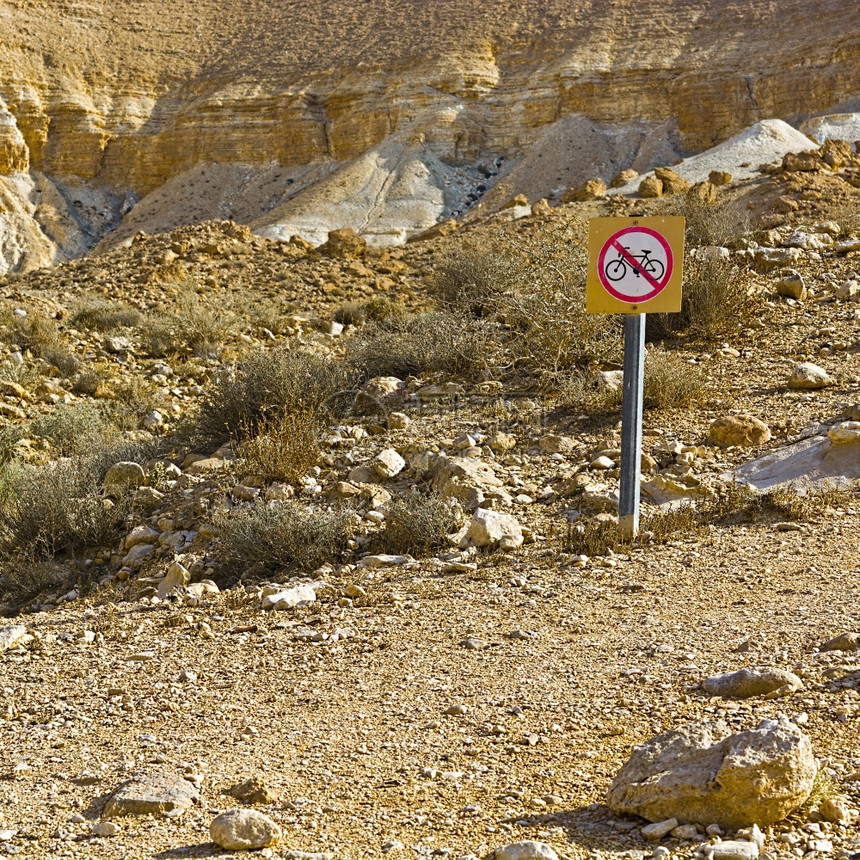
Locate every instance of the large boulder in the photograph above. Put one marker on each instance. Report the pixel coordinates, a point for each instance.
(672, 182)
(701, 773)
(154, 793)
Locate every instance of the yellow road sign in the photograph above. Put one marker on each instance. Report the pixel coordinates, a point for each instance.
(634, 265)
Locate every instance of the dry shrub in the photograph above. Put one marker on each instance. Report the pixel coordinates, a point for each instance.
(423, 343)
(67, 363)
(533, 288)
(193, 328)
(739, 503)
(377, 309)
(592, 538)
(73, 429)
(31, 332)
(279, 536)
(717, 300)
(267, 384)
(283, 447)
(48, 509)
(721, 223)
(671, 382)
(103, 316)
(134, 399)
(23, 577)
(419, 524)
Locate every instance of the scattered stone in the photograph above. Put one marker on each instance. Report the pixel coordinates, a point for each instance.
(845, 432)
(254, 790)
(791, 285)
(656, 831)
(516, 202)
(746, 683)
(177, 576)
(704, 193)
(623, 177)
(738, 430)
(719, 177)
(650, 187)
(122, 477)
(156, 793)
(842, 642)
(526, 851)
(490, 528)
(735, 850)
(388, 463)
(809, 376)
(701, 773)
(672, 182)
(105, 828)
(244, 830)
(344, 244)
(685, 831)
(383, 560)
(289, 598)
(551, 444)
(835, 810)
(12, 636)
(594, 189)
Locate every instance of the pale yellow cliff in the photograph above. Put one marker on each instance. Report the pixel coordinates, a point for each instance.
(129, 95)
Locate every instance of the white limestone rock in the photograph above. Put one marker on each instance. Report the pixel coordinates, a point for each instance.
(244, 830)
(701, 773)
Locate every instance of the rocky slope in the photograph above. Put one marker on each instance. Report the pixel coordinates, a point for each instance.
(384, 118)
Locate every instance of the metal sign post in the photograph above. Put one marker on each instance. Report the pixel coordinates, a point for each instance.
(634, 264)
(631, 424)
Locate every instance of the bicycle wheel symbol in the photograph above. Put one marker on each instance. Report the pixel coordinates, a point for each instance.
(638, 264)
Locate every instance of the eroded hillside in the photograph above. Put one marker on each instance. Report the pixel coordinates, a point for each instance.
(384, 117)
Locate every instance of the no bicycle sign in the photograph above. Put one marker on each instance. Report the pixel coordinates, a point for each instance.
(634, 265)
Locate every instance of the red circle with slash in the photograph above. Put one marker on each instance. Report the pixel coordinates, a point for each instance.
(635, 264)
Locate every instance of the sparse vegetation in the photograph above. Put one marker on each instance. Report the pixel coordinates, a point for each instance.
(73, 429)
(718, 299)
(192, 328)
(266, 385)
(103, 316)
(282, 447)
(533, 290)
(420, 524)
(55, 507)
(424, 343)
(275, 537)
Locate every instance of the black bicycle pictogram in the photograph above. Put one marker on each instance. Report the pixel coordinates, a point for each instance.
(641, 263)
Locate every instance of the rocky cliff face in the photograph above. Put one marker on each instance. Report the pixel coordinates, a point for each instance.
(125, 97)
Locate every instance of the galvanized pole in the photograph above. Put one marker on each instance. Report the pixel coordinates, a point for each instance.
(631, 424)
